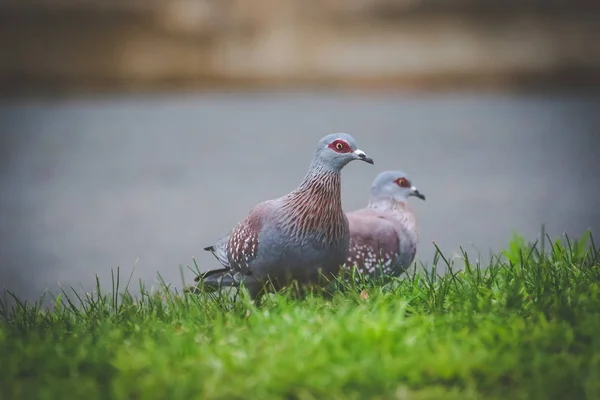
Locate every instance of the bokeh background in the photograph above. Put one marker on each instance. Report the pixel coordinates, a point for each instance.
(135, 133)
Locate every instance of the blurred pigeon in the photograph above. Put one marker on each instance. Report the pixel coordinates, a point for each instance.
(384, 235)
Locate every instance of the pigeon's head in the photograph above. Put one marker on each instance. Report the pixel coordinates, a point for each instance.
(338, 149)
(394, 185)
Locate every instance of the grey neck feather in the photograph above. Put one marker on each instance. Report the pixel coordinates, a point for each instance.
(400, 210)
(316, 172)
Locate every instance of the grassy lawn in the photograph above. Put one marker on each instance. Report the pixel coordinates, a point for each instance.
(525, 327)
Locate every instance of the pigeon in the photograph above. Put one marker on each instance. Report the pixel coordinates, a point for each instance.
(297, 237)
(384, 234)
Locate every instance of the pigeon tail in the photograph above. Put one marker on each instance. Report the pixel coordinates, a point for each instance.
(216, 279)
(223, 278)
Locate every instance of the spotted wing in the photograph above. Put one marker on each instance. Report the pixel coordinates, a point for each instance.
(244, 240)
(374, 243)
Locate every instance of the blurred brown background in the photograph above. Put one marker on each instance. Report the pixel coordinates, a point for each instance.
(135, 133)
(65, 45)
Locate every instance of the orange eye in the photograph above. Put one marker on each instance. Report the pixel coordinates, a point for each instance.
(402, 182)
(340, 146)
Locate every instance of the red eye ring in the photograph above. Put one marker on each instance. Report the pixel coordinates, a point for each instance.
(402, 182)
(340, 146)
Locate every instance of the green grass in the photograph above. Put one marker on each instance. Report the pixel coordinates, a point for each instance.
(524, 327)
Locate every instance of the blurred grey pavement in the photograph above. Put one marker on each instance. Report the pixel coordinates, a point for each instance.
(88, 184)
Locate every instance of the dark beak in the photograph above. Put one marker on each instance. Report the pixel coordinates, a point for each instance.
(415, 192)
(367, 159)
(363, 157)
